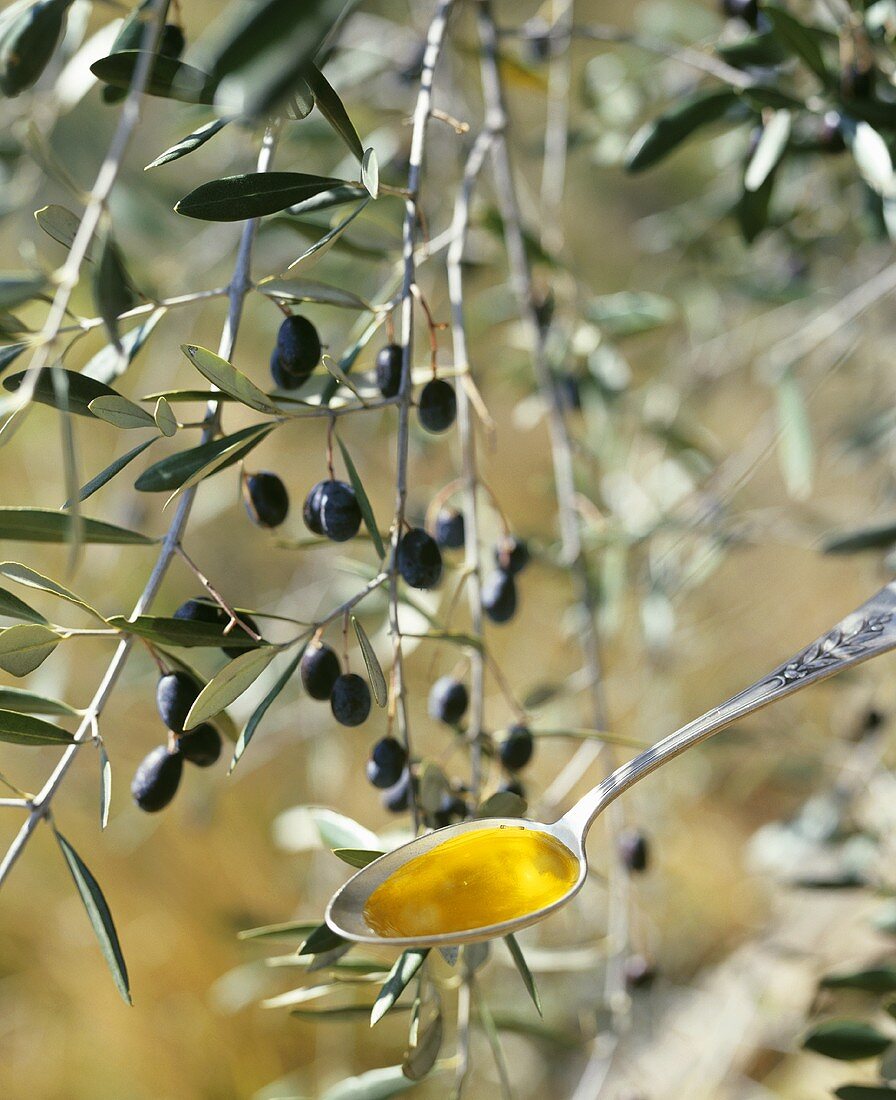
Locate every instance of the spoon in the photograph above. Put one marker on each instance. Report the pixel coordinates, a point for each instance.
(867, 632)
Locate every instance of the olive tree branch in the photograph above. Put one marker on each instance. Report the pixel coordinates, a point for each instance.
(556, 129)
(240, 285)
(422, 112)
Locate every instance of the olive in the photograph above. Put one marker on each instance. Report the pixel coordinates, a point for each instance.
(512, 555)
(398, 797)
(267, 501)
(449, 530)
(350, 699)
(176, 692)
(437, 407)
(516, 750)
(499, 596)
(387, 762)
(388, 370)
(201, 746)
(156, 780)
(296, 354)
(319, 670)
(331, 509)
(204, 610)
(419, 559)
(172, 41)
(448, 700)
(633, 850)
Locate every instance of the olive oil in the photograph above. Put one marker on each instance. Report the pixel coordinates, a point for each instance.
(473, 880)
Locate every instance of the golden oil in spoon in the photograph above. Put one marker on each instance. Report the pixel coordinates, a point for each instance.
(473, 880)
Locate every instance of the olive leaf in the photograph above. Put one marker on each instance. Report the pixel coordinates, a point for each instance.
(375, 1084)
(406, 966)
(109, 363)
(23, 729)
(795, 450)
(356, 857)
(522, 966)
(230, 683)
(18, 287)
(363, 502)
(114, 467)
(44, 525)
(9, 353)
(321, 938)
(261, 710)
(846, 1040)
(424, 1037)
(81, 390)
(121, 411)
(333, 196)
(235, 198)
(61, 224)
(29, 35)
(657, 139)
(100, 917)
(189, 143)
(331, 107)
(878, 537)
(29, 577)
(769, 150)
(14, 608)
(168, 77)
(374, 668)
(285, 930)
(227, 378)
(171, 472)
(327, 240)
(112, 289)
(865, 1092)
(164, 418)
(306, 290)
(799, 39)
(502, 804)
(29, 702)
(370, 172)
(182, 632)
(25, 647)
(105, 785)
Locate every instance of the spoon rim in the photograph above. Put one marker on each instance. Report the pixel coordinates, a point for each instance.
(559, 830)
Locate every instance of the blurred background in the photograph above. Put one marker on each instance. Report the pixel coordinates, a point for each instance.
(712, 487)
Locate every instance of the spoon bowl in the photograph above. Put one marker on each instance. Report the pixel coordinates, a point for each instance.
(865, 633)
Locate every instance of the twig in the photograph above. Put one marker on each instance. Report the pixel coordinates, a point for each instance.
(556, 129)
(239, 287)
(434, 40)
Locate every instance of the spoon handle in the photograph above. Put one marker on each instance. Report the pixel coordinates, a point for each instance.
(867, 632)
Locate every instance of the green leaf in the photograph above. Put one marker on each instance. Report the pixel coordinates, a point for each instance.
(235, 198)
(769, 150)
(331, 107)
(424, 1038)
(752, 209)
(9, 353)
(795, 449)
(286, 930)
(525, 973)
(168, 77)
(110, 471)
(306, 290)
(164, 418)
(865, 1092)
(406, 966)
(263, 52)
(879, 537)
(322, 938)
(375, 1084)
(121, 411)
(25, 647)
(370, 173)
(799, 39)
(182, 632)
(340, 831)
(881, 979)
(754, 50)
(188, 144)
(630, 312)
(112, 291)
(227, 378)
(363, 500)
(18, 287)
(100, 917)
(328, 239)
(81, 390)
(261, 710)
(29, 35)
(333, 196)
(29, 702)
(872, 156)
(846, 1040)
(24, 574)
(171, 472)
(660, 137)
(374, 669)
(59, 223)
(434, 787)
(229, 684)
(14, 608)
(109, 363)
(21, 729)
(105, 785)
(356, 857)
(502, 804)
(44, 525)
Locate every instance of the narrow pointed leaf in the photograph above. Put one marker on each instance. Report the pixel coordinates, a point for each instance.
(59, 223)
(230, 683)
(165, 418)
(847, 1040)
(112, 291)
(321, 939)
(370, 172)
(375, 1084)
(769, 150)
(168, 77)
(798, 39)
(331, 107)
(306, 290)
(406, 966)
(261, 710)
(13, 608)
(18, 287)
(327, 240)
(502, 804)
(29, 35)
(865, 1092)
(227, 378)
(81, 390)
(24, 648)
(424, 1038)
(24, 574)
(109, 363)
(235, 198)
(525, 973)
(44, 525)
(105, 785)
(29, 702)
(23, 729)
(286, 930)
(356, 857)
(879, 537)
(171, 472)
(659, 138)
(880, 979)
(111, 470)
(188, 144)
(181, 632)
(122, 412)
(100, 917)
(333, 196)
(363, 500)
(374, 669)
(9, 353)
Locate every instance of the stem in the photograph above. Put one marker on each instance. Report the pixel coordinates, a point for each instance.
(239, 287)
(434, 40)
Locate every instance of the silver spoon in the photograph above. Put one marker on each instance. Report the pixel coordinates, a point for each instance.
(867, 632)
